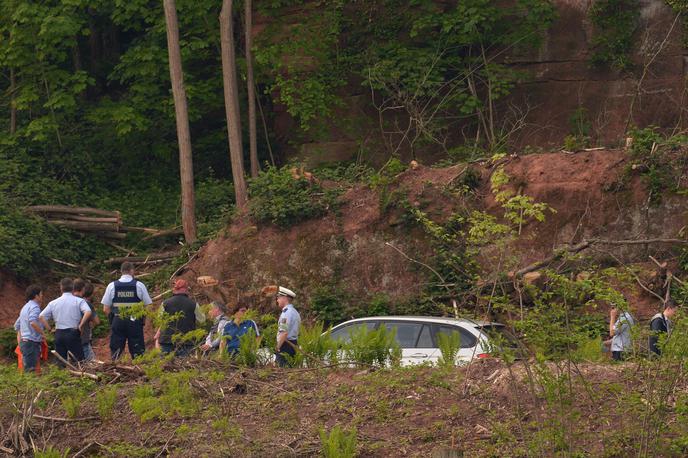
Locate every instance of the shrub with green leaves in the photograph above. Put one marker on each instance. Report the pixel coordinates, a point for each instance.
(171, 396)
(52, 452)
(316, 347)
(338, 442)
(279, 198)
(449, 345)
(105, 401)
(377, 347)
(72, 404)
(248, 350)
(615, 24)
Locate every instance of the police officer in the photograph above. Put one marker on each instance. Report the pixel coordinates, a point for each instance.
(70, 314)
(287, 326)
(126, 328)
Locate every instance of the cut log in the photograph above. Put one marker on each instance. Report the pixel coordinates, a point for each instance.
(72, 210)
(85, 219)
(86, 227)
(143, 259)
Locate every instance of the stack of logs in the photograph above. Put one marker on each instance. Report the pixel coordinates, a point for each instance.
(102, 223)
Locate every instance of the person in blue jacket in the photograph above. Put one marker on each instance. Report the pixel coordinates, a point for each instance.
(237, 327)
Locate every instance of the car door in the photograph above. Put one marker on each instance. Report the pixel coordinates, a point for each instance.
(469, 342)
(407, 334)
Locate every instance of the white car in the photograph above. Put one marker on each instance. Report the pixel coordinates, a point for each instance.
(417, 336)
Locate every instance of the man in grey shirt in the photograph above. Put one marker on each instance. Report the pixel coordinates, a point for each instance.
(620, 323)
(70, 314)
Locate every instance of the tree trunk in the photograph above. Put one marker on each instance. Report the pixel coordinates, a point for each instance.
(231, 91)
(13, 102)
(250, 83)
(182, 116)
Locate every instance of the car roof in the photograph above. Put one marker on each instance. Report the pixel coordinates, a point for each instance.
(426, 319)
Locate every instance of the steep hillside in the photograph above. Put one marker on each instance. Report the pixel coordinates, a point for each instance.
(350, 248)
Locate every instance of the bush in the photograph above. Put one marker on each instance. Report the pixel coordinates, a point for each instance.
(338, 443)
(174, 398)
(377, 347)
(8, 342)
(248, 349)
(316, 346)
(279, 198)
(50, 452)
(329, 304)
(72, 403)
(449, 345)
(105, 401)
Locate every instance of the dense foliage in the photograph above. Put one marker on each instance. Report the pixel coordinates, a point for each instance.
(89, 117)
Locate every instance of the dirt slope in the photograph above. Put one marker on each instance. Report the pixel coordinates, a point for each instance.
(352, 249)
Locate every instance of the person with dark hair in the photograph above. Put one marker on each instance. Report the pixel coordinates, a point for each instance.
(30, 331)
(237, 327)
(218, 312)
(661, 324)
(119, 300)
(70, 314)
(184, 313)
(84, 290)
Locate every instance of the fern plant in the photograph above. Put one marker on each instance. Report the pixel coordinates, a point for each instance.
(338, 443)
(449, 345)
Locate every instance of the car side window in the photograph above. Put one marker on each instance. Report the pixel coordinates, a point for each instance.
(344, 333)
(406, 334)
(468, 340)
(425, 339)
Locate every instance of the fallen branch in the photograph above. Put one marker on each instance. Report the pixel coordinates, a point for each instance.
(143, 259)
(62, 419)
(72, 210)
(84, 374)
(587, 244)
(83, 450)
(183, 266)
(64, 361)
(557, 255)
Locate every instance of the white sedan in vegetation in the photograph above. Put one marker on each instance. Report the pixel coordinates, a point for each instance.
(418, 336)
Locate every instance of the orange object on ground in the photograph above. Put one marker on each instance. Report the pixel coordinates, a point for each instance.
(44, 357)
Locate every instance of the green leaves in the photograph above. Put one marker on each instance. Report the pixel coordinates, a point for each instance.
(280, 198)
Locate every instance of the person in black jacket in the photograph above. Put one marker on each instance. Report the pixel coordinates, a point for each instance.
(661, 324)
(184, 313)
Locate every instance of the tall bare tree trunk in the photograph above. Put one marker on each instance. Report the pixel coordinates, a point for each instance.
(13, 102)
(231, 90)
(250, 83)
(182, 116)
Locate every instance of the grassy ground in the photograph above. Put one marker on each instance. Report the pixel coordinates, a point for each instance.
(208, 408)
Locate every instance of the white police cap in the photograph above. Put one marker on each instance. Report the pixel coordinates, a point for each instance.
(286, 292)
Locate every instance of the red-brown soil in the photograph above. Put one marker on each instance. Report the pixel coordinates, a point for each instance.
(484, 410)
(592, 192)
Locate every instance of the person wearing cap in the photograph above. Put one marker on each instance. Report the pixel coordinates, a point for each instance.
(218, 313)
(70, 314)
(287, 326)
(126, 329)
(237, 327)
(184, 313)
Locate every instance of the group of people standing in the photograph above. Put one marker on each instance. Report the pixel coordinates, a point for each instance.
(124, 301)
(621, 323)
(73, 316)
